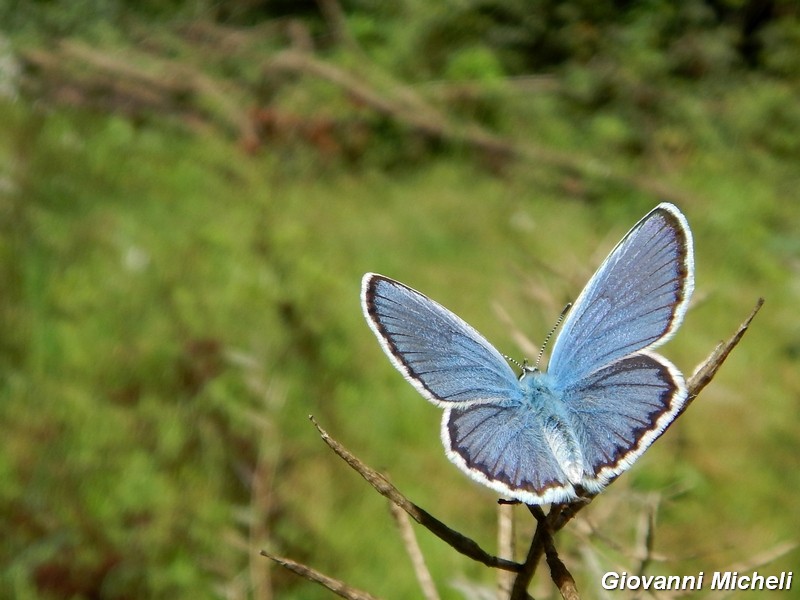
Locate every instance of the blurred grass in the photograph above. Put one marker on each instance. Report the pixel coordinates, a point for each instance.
(173, 309)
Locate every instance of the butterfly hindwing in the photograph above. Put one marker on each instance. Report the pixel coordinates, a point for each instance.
(619, 410)
(441, 355)
(505, 448)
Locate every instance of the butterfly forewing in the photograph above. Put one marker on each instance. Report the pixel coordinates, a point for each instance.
(635, 300)
(443, 357)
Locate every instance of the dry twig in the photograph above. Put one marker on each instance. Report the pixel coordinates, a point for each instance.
(334, 585)
(458, 541)
(404, 106)
(142, 83)
(415, 553)
(705, 372)
(547, 525)
(505, 546)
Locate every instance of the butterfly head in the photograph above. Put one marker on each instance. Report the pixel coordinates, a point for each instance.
(528, 370)
(524, 366)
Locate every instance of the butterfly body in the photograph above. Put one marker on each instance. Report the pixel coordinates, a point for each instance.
(547, 404)
(553, 436)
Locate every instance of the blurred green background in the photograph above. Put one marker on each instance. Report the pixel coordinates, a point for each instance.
(186, 211)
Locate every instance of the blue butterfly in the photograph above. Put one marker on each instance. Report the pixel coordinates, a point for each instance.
(546, 437)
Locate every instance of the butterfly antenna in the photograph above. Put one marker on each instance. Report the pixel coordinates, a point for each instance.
(552, 331)
(514, 360)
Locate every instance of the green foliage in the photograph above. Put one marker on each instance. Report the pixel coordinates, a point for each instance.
(173, 308)
(770, 118)
(474, 64)
(781, 47)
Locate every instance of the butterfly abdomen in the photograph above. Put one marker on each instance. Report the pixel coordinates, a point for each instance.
(557, 429)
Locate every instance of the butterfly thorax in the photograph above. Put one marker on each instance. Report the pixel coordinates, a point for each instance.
(557, 428)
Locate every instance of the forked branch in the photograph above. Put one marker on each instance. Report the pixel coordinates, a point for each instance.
(547, 525)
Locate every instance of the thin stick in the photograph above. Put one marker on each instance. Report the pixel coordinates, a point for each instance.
(519, 591)
(559, 572)
(505, 546)
(764, 557)
(761, 559)
(260, 504)
(337, 587)
(647, 528)
(414, 552)
(705, 372)
(458, 541)
(421, 116)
